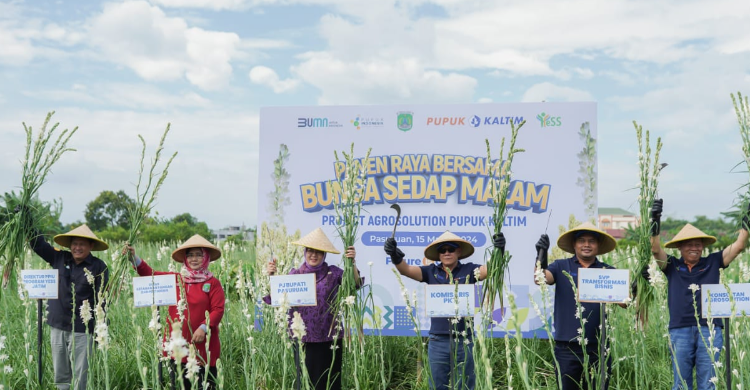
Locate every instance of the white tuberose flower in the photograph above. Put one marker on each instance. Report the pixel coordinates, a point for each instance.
(192, 368)
(176, 346)
(694, 287)
(86, 312)
(298, 326)
(89, 276)
(101, 330)
(349, 300)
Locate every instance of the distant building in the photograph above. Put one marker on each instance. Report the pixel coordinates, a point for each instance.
(224, 233)
(615, 221)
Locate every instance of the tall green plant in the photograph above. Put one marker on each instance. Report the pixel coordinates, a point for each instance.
(587, 169)
(648, 174)
(41, 153)
(347, 204)
(146, 191)
(742, 109)
(500, 180)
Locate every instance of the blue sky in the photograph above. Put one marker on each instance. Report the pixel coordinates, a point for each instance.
(121, 68)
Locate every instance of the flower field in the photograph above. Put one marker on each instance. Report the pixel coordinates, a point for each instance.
(260, 357)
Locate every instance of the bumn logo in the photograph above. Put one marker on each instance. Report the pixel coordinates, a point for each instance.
(312, 122)
(317, 122)
(405, 120)
(548, 121)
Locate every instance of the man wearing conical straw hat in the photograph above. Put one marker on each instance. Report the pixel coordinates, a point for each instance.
(447, 251)
(685, 275)
(585, 242)
(72, 338)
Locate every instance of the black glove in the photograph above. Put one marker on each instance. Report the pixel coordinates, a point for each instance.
(746, 219)
(656, 210)
(542, 246)
(498, 241)
(392, 250)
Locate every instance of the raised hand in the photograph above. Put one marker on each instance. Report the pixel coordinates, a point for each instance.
(271, 267)
(656, 210)
(391, 248)
(542, 247)
(498, 241)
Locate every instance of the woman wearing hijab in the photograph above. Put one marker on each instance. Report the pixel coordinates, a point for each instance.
(203, 293)
(318, 343)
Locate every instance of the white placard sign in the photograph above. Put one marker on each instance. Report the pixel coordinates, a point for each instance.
(721, 306)
(441, 300)
(299, 289)
(40, 283)
(603, 285)
(159, 290)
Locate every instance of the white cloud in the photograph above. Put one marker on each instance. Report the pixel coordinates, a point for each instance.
(159, 47)
(16, 51)
(550, 92)
(691, 105)
(213, 176)
(381, 81)
(516, 37)
(24, 36)
(132, 96)
(266, 76)
(638, 31)
(206, 4)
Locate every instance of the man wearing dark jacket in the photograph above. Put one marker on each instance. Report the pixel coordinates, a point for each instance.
(81, 277)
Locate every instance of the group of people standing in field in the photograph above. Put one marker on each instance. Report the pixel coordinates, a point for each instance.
(82, 278)
(451, 367)
(450, 343)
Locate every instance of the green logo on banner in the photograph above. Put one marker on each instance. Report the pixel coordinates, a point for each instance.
(405, 120)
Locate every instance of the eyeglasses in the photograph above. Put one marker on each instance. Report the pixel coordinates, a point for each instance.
(446, 249)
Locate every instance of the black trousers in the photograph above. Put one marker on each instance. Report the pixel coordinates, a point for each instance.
(570, 357)
(201, 377)
(320, 359)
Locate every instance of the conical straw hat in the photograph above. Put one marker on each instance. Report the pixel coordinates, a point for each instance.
(566, 241)
(317, 240)
(690, 232)
(196, 241)
(431, 252)
(82, 231)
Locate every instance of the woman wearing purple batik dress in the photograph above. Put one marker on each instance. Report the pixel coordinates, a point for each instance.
(321, 343)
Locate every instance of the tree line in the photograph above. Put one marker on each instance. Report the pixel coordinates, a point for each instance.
(723, 228)
(107, 216)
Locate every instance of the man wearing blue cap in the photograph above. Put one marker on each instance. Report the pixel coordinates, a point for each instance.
(585, 242)
(447, 250)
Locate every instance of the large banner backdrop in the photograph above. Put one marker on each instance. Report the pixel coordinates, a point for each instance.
(430, 159)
